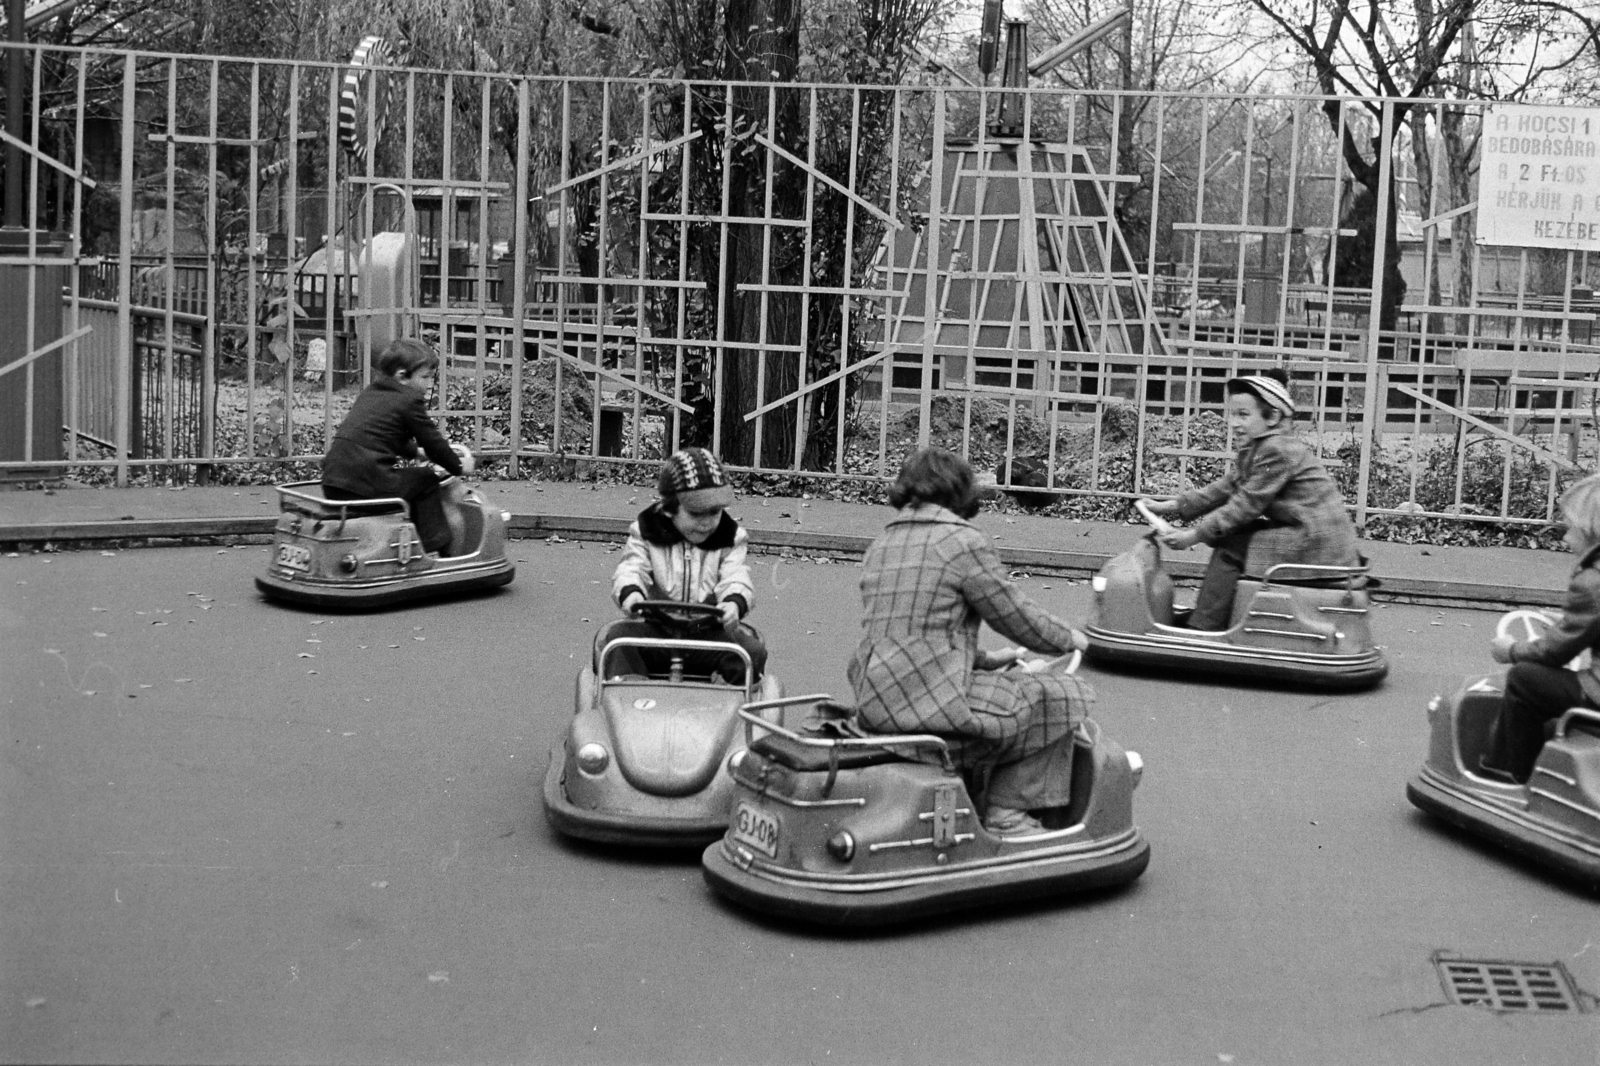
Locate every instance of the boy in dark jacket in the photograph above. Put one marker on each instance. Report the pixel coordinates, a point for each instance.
(390, 422)
(1277, 505)
(1540, 685)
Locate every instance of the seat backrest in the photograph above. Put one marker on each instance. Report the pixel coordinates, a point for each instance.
(811, 758)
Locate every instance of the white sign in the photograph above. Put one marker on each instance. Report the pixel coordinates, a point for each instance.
(1539, 177)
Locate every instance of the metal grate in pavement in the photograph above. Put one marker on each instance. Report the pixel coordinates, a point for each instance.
(1523, 987)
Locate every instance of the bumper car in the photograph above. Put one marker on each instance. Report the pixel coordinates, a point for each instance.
(646, 759)
(1300, 623)
(1554, 819)
(359, 554)
(835, 828)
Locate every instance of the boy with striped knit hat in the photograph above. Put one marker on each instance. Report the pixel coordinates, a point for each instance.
(686, 547)
(1277, 505)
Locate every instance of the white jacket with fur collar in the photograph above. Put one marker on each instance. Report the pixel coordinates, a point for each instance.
(661, 565)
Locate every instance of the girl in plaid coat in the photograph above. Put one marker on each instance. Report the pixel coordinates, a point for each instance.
(1277, 505)
(928, 584)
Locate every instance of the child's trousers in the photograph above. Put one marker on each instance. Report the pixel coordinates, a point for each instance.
(1534, 695)
(1213, 608)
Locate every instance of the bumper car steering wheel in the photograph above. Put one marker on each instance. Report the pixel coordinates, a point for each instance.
(680, 616)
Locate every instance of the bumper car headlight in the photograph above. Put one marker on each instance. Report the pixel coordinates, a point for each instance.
(842, 846)
(593, 759)
(348, 564)
(505, 516)
(1135, 766)
(735, 760)
(1098, 583)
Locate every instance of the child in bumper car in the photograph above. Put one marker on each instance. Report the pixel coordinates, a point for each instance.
(1277, 505)
(686, 547)
(929, 583)
(1538, 686)
(389, 422)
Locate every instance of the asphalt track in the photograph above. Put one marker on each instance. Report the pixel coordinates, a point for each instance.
(236, 833)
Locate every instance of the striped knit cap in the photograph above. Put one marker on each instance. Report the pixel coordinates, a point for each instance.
(1272, 392)
(695, 479)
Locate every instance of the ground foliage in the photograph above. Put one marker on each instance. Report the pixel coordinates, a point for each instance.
(1089, 458)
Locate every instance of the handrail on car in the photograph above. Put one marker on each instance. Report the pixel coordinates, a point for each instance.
(1572, 713)
(1331, 571)
(880, 740)
(664, 644)
(343, 505)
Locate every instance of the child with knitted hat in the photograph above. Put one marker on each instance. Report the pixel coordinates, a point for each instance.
(1277, 505)
(686, 547)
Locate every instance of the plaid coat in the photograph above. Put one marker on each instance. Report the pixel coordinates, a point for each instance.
(929, 582)
(1276, 478)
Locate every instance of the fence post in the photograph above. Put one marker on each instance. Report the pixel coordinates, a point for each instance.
(519, 276)
(124, 383)
(1370, 410)
(930, 317)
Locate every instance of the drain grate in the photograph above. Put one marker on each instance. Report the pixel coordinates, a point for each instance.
(1524, 987)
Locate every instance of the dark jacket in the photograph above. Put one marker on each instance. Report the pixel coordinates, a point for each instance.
(1276, 477)
(1577, 631)
(387, 423)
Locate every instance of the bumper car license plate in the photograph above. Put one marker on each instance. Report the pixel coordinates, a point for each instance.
(293, 557)
(757, 829)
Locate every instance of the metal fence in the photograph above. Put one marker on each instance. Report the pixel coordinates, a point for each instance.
(810, 279)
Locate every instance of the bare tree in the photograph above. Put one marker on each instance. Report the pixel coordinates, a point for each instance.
(1371, 48)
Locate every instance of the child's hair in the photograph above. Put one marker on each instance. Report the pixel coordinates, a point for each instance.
(406, 355)
(1269, 388)
(1580, 506)
(933, 475)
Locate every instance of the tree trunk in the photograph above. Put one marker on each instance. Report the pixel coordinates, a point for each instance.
(763, 45)
(1354, 265)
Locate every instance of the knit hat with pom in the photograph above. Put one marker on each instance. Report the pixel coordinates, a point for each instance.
(694, 478)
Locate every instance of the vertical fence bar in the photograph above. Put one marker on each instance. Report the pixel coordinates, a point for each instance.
(215, 245)
(447, 219)
(1371, 429)
(124, 389)
(291, 268)
(73, 355)
(170, 282)
(344, 296)
(930, 245)
(680, 330)
(30, 386)
(563, 235)
(480, 350)
(728, 147)
(602, 243)
(519, 277)
(252, 306)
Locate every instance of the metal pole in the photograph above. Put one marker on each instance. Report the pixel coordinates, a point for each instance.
(16, 121)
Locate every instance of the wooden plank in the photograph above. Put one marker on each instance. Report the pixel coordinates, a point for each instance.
(866, 205)
(47, 349)
(1495, 431)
